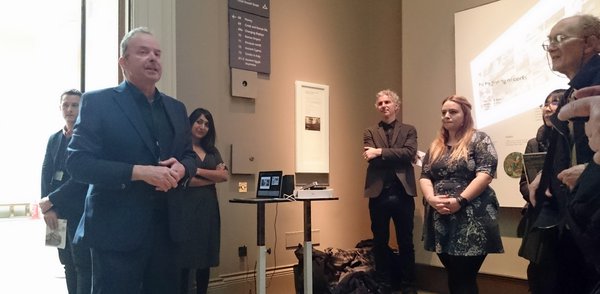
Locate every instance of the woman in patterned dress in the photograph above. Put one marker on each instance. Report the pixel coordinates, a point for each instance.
(461, 223)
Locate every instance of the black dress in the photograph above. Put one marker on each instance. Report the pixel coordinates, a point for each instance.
(202, 250)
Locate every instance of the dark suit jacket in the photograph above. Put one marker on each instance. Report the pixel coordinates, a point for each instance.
(67, 196)
(109, 138)
(559, 153)
(49, 165)
(398, 156)
(584, 214)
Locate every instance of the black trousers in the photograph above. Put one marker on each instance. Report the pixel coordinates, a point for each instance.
(202, 276)
(565, 272)
(77, 261)
(575, 274)
(399, 207)
(543, 278)
(150, 269)
(462, 272)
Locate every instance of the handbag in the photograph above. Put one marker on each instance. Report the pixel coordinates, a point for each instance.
(526, 214)
(539, 244)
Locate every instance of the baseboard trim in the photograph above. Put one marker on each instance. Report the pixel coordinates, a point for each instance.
(246, 278)
(429, 278)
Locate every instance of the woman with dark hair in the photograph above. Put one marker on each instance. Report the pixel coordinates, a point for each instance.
(201, 251)
(542, 139)
(541, 271)
(461, 223)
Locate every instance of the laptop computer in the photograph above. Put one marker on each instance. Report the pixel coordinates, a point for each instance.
(268, 188)
(269, 184)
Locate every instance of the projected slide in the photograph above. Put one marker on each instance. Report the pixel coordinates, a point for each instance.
(502, 68)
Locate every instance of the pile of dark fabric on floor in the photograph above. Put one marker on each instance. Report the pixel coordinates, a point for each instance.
(339, 271)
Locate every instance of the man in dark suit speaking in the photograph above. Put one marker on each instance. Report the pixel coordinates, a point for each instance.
(390, 147)
(132, 144)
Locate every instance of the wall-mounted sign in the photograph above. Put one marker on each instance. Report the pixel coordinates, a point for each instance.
(249, 42)
(258, 7)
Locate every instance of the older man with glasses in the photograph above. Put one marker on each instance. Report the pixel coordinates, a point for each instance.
(572, 47)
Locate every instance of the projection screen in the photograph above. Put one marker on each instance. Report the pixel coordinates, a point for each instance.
(503, 70)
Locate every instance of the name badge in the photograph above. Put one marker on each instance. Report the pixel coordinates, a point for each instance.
(58, 175)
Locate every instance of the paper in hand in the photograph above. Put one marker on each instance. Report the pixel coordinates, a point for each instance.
(419, 159)
(57, 238)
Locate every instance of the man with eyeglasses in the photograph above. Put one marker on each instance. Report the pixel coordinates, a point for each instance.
(572, 46)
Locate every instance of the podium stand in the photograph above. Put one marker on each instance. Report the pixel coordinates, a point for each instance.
(260, 238)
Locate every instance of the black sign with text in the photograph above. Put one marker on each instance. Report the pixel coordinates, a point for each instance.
(258, 7)
(249, 41)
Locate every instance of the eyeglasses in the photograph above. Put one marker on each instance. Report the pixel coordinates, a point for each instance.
(551, 103)
(556, 41)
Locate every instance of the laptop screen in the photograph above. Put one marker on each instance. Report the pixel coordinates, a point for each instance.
(269, 184)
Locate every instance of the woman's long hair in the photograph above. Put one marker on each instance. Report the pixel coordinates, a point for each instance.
(464, 134)
(208, 142)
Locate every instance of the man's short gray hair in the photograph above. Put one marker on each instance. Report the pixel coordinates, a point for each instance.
(589, 25)
(131, 34)
(389, 93)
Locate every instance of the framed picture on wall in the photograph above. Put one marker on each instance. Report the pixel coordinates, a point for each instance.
(312, 128)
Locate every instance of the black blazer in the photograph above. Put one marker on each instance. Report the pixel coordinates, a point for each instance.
(584, 214)
(49, 165)
(66, 196)
(398, 156)
(109, 138)
(559, 153)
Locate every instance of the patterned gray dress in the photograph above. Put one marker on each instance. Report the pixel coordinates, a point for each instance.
(473, 230)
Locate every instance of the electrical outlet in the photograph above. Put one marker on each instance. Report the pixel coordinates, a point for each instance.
(242, 251)
(242, 187)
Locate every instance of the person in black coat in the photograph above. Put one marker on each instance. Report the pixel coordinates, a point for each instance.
(583, 215)
(573, 46)
(540, 276)
(63, 198)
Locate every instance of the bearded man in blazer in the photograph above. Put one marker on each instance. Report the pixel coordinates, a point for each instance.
(390, 147)
(132, 145)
